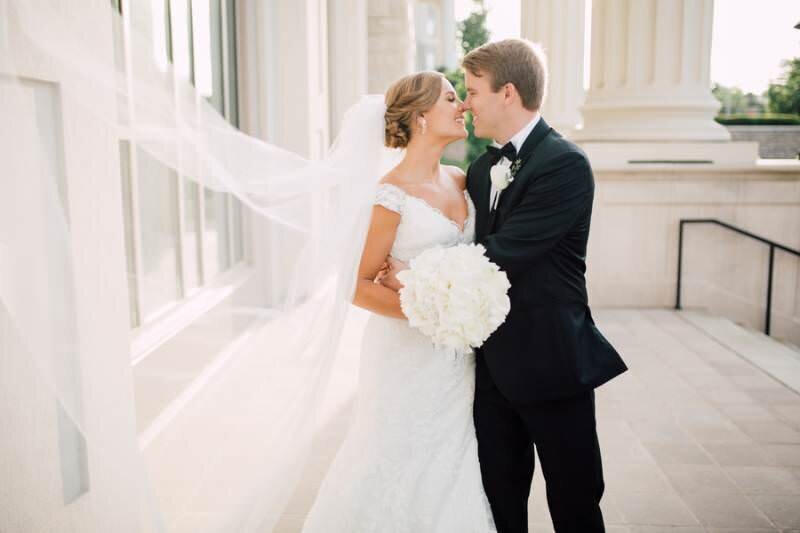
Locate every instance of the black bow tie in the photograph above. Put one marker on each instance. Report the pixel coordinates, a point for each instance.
(508, 151)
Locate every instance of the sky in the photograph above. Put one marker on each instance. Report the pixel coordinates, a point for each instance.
(749, 37)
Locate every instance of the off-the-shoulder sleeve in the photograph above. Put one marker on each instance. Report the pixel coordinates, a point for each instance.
(391, 197)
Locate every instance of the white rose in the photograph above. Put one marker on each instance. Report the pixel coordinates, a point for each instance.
(500, 174)
(455, 296)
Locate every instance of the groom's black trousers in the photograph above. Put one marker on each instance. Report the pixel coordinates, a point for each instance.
(565, 436)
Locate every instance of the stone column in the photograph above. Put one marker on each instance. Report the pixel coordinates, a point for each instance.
(650, 72)
(347, 56)
(391, 42)
(559, 26)
(284, 73)
(450, 45)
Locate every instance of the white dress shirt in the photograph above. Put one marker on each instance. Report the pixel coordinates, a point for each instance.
(517, 140)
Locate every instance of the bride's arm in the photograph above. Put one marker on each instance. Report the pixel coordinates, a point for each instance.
(380, 237)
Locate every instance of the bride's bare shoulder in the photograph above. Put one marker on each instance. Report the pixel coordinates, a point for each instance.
(392, 177)
(399, 178)
(457, 175)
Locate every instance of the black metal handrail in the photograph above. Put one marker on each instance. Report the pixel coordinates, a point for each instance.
(772, 247)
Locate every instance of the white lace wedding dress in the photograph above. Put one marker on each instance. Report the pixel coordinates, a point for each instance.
(409, 463)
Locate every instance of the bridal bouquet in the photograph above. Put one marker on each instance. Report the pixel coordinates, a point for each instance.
(455, 296)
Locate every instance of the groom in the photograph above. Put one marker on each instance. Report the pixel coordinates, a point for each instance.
(537, 373)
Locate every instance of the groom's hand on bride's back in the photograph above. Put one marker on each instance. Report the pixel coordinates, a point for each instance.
(388, 275)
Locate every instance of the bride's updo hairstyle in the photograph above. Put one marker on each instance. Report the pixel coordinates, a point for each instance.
(406, 99)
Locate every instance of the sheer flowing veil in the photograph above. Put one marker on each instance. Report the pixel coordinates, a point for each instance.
(209, 429)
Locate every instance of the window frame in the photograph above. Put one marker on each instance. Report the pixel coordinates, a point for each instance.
(148, 331)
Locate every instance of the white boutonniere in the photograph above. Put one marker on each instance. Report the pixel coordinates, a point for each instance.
(502, 173)
(501, 176)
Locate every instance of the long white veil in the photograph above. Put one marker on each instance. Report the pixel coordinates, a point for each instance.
(88, 444)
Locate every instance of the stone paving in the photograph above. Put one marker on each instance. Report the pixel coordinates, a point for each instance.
(701, 435)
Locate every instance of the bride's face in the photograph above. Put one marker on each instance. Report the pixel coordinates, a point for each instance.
(446, 118)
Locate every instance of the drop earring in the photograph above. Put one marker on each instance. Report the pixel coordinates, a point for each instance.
(423, 124)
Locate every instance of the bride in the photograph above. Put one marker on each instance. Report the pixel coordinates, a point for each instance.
(409, 462)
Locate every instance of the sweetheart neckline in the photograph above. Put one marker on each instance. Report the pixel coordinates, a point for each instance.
(461, 228)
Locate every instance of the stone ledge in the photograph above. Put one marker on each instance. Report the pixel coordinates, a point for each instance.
(636, 156)
(756, 173)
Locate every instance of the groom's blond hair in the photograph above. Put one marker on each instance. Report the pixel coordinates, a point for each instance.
(516, 61)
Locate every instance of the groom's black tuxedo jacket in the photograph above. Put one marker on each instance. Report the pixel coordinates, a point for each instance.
(548, 347)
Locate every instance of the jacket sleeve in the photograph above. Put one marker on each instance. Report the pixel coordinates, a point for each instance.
(552, 203)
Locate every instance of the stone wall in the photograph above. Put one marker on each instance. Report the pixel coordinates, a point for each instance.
(390, 42)
(633, 248)
(774, 142)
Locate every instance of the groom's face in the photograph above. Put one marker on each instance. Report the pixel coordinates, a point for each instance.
(485, 104)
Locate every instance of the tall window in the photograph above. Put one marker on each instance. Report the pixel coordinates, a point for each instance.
(179, 235)
(427, 28)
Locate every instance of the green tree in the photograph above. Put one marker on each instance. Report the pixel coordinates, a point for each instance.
(731, 98)
(472, 32)
(736, 102)
(784, 97)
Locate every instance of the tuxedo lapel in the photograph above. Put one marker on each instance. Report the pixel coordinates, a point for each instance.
(493, 213)
(480, 189)
(536, 136)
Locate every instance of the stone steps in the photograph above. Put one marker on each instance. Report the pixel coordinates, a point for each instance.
(779, 360)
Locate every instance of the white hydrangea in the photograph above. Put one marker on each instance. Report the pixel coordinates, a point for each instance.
(455, 296)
